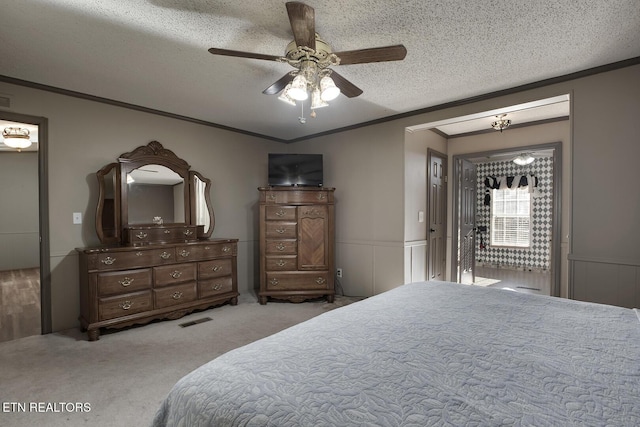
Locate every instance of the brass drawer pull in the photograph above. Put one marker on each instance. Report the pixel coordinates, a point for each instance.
(206, 248)
(141, 235)
(184, 253)
(320, 280)
(280, 247)
(126, 305)
(274, 282)
(176, 274)
(281, 230)
(216, 268)
(126, 281)
(322, 196)
(272, 196)
(139, 253)
(281, 263)
(217, 287)
(176, 295)
(280, 213)
(165, 255)
(188, 232)
(108, 260)
(226, 249)
(167, 231)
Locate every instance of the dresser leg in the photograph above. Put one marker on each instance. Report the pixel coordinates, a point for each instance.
(93, 334)
(234, 301)
(263, 300)
(330, 298)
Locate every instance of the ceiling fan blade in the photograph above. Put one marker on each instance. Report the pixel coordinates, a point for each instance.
(303, 25)
(347, 88)
(375, 54)
(279, 85)
(240, 54)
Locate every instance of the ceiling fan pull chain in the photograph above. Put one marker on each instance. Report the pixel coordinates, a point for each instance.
(302, 119)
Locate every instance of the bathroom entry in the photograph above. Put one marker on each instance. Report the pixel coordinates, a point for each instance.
(483, 259)
(20, 231)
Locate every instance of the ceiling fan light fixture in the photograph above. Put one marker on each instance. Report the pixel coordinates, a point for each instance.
(16, 137)
(298, 89)
(328, 89)
(501, 123)
(316, 100)
(284, 96)
(524, 159)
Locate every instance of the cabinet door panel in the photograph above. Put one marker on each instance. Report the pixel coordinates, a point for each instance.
(313, 238)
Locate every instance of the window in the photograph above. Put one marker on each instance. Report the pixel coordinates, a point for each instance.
(511, 218)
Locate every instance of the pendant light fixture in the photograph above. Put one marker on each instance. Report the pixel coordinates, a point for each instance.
(501, 123)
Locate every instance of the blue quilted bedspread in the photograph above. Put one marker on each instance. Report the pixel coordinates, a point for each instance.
(431, 353)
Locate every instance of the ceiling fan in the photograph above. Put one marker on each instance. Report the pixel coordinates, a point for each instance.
(311, 57)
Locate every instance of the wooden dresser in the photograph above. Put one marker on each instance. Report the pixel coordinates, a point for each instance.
(125, 285)
(296, 243)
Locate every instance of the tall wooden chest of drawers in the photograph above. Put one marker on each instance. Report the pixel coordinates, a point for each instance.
(296, 243)
(125, 285)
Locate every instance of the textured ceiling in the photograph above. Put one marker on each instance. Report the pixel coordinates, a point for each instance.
(153, 53)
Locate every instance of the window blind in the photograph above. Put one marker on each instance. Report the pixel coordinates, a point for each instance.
(511, 218)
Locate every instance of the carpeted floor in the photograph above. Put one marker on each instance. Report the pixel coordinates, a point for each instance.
(62, 379)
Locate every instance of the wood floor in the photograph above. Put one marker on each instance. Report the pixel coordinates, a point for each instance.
(533, 282)
(19, 303)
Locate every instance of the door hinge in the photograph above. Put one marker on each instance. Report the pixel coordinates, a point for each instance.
(446, 178)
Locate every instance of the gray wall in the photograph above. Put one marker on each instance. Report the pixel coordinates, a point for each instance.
(85, 135)
(19, 228)
(367, 167)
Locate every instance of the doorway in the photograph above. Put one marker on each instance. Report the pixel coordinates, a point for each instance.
(437, 208)
(534, 267)
(25, 267)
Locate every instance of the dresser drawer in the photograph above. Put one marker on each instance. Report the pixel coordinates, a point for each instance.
(281, 263)
(281, 247)
(297, 280)
(131, 259)
(211, 287)
(146, 235)
(174, 295)
(174, 274)
(124, 305)
(299, 197)
(119, 282)
(284, 213)
(280, 230)
(214, 268)
(205, 251)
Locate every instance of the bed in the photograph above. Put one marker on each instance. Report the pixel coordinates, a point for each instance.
(429, 353)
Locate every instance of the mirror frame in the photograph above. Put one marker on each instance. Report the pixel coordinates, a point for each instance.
(152, 153)
(207, 200)
(100, 209)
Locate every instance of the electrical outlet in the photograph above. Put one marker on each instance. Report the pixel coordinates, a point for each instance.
(339, 272)
(77, 217)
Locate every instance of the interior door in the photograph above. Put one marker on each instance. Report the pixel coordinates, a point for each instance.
(437, 199)
(467, 244)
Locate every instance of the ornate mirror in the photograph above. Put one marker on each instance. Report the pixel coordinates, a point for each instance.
(151, 188)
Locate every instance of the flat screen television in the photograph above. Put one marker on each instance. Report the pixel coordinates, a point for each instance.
(295, 170)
